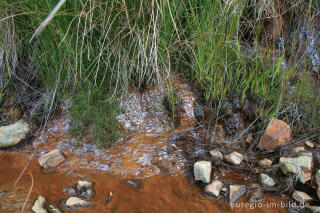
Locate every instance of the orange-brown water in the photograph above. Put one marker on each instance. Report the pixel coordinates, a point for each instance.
(141, 154)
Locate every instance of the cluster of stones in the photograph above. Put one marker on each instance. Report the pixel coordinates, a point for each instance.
(79, 195)
(277, 134)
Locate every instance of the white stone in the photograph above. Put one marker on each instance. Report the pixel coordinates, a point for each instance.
(266, 180)
(202, 171)
(73, 202)
(216, 153)
(234, 157)
(84, 184)
(12, 134)
(301, 197)
(39, 205)
(214, 187)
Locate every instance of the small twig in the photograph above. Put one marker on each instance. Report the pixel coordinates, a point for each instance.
(30, 190)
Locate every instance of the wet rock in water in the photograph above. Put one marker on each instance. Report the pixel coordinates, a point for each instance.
(309, 144)
(83, 185)
(234, 157)
(40, 205)
(235, 192)
(265, 162)
(75, 202)
(69, 190)
(84, 189)
(51, 159)
(217, 154)
(257, 194)
(54, 209)
(202, 171)
(314, 209)
(301, 197)
(214, 188)
(299, 149)
(278, 133)
(133, 183)
(266, 180)
(12, 134)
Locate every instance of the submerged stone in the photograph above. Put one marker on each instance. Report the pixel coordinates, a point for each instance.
(75, 202)
(84, 184)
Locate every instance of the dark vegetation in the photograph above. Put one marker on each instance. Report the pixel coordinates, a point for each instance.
(92, 51)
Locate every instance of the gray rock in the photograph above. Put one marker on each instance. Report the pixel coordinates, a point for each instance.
(12, 134)
(234, 157)
(265, 162)
(314, 209)
(301, 165)
(217, 154)
(289, 168)
(40, 205)
(214, 188)
(318, 177)
(266, 180)
(202, 171)
(51, 159)
(304, 161)
(74, 202)
(301, 197)
(235, 192)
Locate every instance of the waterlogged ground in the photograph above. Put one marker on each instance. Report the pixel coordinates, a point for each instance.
(143, 154)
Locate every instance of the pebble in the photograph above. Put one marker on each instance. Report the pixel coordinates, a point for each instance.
(234, 158)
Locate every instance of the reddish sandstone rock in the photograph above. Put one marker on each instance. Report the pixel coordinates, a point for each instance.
(277, 134)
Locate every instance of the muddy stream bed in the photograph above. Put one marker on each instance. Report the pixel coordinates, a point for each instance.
(144, 154)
